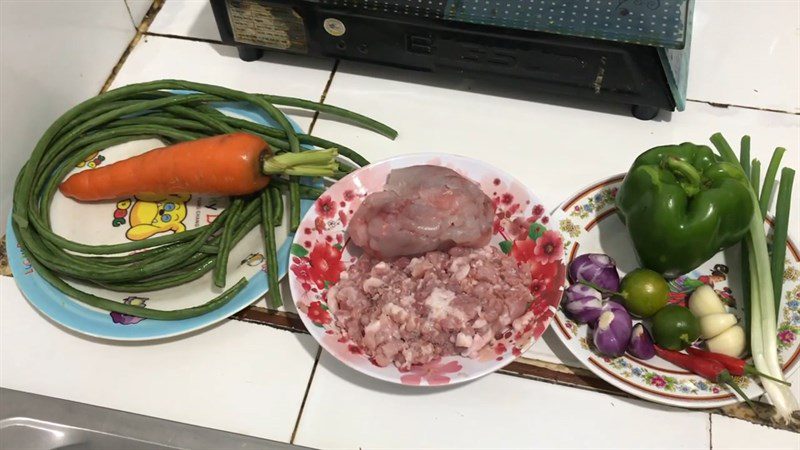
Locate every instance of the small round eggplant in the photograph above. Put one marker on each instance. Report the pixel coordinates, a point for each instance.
(582, 303)
(612, 331)
(641, 343)
(595, 268)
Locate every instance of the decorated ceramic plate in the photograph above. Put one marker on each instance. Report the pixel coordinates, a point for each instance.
(589, 224)
(321, 252)
(135, 219)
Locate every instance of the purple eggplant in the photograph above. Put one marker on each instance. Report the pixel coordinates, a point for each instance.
(582, 303)
(641, 343)
(597, 269)
(612, 331)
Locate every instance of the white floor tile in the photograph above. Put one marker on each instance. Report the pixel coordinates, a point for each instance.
(733, 434)
(188, 18)
(348, 410)
(157, 58)
(235, 376)
(55, 54)
(138, 9)
(746, 53)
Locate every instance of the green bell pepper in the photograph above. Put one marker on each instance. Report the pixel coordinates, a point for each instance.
(682, 204)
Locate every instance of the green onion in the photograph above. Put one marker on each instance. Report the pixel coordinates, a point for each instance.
(763, 329)
(780, 233)
(744, 157)
(769, 180)
(755, 178)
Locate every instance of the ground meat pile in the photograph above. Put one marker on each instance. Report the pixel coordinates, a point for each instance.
(413, 310)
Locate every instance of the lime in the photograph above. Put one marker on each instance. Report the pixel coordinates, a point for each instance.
(675, 327)
(644, 292)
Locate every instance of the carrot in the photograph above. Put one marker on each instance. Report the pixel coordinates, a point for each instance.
(229, 164)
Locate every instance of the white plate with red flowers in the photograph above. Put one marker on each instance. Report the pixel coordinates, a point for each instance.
(320, 253)
(589, 224)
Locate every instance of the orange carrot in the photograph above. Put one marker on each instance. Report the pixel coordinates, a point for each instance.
(230, 164)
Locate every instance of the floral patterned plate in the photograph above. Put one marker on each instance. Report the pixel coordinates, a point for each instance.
(589, 225)
(321, 252)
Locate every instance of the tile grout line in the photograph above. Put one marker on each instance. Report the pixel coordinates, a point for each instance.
(324, 95)
(710, 430)
(733, 105)
(305, 395)
(130, 14)
(185, 38)
(140, 32)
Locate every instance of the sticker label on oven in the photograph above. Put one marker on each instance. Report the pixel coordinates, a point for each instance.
(267, 25)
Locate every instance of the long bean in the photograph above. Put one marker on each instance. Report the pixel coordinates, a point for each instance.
(268, 225)
(277, 205)
(150, 110)
(221, 266)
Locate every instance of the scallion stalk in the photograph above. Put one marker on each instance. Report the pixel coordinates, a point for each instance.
(780, 233)
(755, 178)
(763, 329)
(769, 180)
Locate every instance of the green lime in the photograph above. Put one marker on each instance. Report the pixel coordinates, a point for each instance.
(675, 327)
(644, 292)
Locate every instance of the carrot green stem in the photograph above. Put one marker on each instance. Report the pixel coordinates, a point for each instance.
(304, 164)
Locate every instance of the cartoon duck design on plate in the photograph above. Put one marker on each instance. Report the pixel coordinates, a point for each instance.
(92, 161)
(151, 215)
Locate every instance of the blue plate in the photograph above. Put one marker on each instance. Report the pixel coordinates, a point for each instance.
(83, 319)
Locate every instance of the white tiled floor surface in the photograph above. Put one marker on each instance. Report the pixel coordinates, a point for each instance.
(190, 18)
(727, 433)
(203, 379)
(350, 410)
(235, 376)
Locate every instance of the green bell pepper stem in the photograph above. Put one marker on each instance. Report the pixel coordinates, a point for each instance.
(692, 184)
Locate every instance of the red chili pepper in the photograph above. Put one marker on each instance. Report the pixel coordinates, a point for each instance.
(737, 367)
(707, 368)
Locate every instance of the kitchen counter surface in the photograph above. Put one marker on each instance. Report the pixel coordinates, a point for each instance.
(246, 376)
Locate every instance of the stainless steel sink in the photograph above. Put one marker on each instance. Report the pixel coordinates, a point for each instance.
(29, 421)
